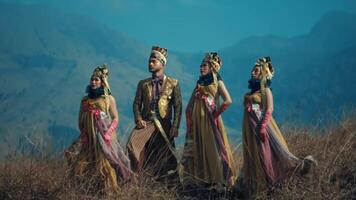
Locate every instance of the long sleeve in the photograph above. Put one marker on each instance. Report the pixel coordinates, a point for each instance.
(137, 104)
(177, 105)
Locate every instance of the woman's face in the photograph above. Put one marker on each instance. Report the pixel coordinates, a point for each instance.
(95, 82)
(205, 68)
(255, 73)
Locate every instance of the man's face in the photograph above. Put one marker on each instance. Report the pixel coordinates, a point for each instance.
(154, 65)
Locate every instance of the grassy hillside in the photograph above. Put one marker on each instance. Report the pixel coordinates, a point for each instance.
(43, 176)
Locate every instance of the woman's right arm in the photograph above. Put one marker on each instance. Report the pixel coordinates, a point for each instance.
(224, 93)
(267, 115)
(269, 98)
(226, 97)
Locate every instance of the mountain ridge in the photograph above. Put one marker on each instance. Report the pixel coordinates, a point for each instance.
(48, 56)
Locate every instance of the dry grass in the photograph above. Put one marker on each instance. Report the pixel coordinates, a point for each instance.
(34, 178)
(41, 177)
(335, 175)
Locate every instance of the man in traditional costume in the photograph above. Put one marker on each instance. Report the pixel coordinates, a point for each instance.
(157, 110)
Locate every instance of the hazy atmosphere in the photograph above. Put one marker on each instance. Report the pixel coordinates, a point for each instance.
(48, 50)
(199, 26)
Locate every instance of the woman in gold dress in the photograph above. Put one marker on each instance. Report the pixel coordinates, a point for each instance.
(100, 161)
(266, 157)
(207, 157)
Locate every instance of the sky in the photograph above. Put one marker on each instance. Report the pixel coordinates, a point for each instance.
(201, 25)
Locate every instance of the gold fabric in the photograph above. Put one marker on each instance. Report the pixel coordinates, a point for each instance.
(253, 174)
(91, 161)
(167, 89)
(170, 99)
(201, 157)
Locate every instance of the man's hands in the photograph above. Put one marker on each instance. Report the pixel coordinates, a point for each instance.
(141, 124)
(172, 133)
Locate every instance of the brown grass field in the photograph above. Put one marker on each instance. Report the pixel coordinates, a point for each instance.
(334, 147)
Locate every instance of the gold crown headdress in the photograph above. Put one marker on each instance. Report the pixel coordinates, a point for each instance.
(159, 53)
(267, 70)
(214, 59)
(103, 73)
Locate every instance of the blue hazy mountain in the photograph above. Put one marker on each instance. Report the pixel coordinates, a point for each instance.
(47, 58)
(314, 72)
